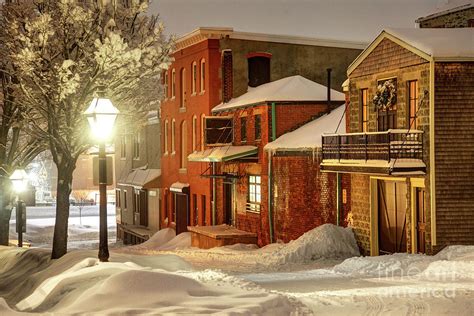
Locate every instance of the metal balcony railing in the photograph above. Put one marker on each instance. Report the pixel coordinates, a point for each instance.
(391, 144)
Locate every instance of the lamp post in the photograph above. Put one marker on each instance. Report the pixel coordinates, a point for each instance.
(101, 115)
(19, 180)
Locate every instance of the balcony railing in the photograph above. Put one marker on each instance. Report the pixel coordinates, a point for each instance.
(388, 145)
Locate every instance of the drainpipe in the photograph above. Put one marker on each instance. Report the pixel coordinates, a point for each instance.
(270, 179)
(213, 194)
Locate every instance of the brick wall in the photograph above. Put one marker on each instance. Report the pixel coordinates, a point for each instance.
(455, 19)
(359, 218)
(454, 150)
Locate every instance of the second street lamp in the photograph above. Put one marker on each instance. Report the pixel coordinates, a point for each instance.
(19, 180)
(101, 115)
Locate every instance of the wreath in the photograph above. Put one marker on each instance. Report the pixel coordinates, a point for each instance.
(386, 95)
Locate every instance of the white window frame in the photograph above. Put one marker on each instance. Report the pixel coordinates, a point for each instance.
(203, 76)
(173, 136)
(165, 138)
(166, 84)
(194, 132)
(194, 77)
(173, 83)
(136, 146)
(254, 197)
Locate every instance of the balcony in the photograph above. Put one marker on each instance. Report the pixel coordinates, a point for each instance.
(393, 152)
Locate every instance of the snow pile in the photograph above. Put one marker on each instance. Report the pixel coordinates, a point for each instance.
(163, 240)
(158, 239)
(183, 240)
(324, 242)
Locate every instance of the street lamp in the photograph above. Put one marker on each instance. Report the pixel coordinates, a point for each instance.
(101, 115)
(19, 180)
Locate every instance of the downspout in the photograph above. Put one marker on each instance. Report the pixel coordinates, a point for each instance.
(270, 178)
(213, 194)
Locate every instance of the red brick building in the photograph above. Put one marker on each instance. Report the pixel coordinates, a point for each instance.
(213, 66)
(409, 144)
(235, 142)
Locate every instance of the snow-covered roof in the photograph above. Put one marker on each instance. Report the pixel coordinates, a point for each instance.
(309, 135)
(140, 177)
(222, 153)
(447, 8)
(441, 44)
(294, 88)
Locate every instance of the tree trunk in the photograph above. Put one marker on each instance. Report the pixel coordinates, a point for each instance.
(63, 191)
(5, 211)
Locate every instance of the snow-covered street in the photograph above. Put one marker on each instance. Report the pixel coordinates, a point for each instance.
(320, 273)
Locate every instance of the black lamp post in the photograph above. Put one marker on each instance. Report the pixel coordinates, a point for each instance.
(19, 180)
(101, 115)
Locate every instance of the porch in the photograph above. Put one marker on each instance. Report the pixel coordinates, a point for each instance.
(392, 152)
(207, 237)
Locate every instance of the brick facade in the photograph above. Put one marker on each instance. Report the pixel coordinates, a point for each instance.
(461, 18)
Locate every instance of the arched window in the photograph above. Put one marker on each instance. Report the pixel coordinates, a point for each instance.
(182, 87)
(194, 132)
(203, 75)
(173, 135)
(203, 125)
(173, 83)
(165, 137)
(165, 84)
(184, 145)
(258, 68)
(194, 77)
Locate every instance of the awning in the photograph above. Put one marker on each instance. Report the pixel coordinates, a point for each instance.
(222, 154)
(142, 178)
(179, 187)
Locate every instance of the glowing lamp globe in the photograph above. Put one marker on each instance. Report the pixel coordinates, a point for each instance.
(19, 180)
(101, 115)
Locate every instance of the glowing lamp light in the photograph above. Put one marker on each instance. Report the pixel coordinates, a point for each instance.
(19, 180)
(101, 115)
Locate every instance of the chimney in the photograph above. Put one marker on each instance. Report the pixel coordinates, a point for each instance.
(227, 76)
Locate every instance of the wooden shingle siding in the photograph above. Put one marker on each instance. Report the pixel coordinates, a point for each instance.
(387, 56)
(454, 152)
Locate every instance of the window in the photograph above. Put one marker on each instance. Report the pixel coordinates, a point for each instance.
(254, 194)
(258, 70)
(243, 129)
(195, 210)
(165, 133)
(182, 87)
(258, 127)
(117, 198)
(125, 199)
(184, 145)
(364, 114)
(203, 126)
(123, 146)
(173, 83)
(136, 146)
(194, 77)
(173, 135)
(165, 84)
(203, 209)
(412, 104)
(194, 132)
(203, 75)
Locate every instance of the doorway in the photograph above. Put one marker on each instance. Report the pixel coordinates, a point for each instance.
(392, 206)
(181, 211)
(420, 209)
(228, 203)
(386, 119)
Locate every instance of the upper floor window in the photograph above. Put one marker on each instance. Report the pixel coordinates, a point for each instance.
(243, 129)
(166, 136)
(412, 104)
(123, 146)
(136, 146)
(258, 127)
(173, 83)
(182, 87)
(194, 132)
(184, 145)
(254, 193)
(194, 78)
(117, 198)
(165, 83)
(364, 114)
(258, 68)
(203, 75)
(173, 135)
(203, 126)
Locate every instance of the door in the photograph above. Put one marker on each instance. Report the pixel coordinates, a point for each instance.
(421, 219)
(392, 216)
(228, 203)
(387, 119)
(182, 212)
(143, 208)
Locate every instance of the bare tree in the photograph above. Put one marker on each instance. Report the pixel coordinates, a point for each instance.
(63, 51)
(81, 201)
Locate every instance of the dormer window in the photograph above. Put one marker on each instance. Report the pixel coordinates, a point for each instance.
(258, 68)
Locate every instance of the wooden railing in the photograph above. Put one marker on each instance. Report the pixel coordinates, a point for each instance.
(391, 144)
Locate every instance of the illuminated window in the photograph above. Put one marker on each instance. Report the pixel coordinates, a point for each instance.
(364, 114)
(412, 104)
(254, 194)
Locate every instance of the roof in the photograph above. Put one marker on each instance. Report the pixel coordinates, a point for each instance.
(141, 177)
(447, 8)
(308, 136)
(221, 154)
(203, 33)
(294, 88)
(439, 44)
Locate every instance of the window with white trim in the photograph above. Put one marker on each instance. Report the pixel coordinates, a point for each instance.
(165, 136)
(182, 87)
(165, 84)
(203, 126)
(194, 77)
(136, 146)
(173, 135)
(194, 132)
(203, 75)
(173, 83)
(254, 193)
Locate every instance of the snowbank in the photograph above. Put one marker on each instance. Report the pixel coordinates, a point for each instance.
(163, 240)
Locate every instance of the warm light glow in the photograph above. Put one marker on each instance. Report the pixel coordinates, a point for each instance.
(101, 115)
(19, 180)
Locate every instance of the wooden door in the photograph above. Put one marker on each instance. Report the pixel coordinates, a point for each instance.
(421, 219)
(182, 212)
(228, 203)
(392, 216)
(387, 120)
(143, 207)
